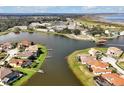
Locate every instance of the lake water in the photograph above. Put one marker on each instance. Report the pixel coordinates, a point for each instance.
(115, 18)
(56, 68)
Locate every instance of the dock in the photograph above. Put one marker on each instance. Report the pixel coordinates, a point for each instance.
(40, 71)
(48, 57)
(115, 45)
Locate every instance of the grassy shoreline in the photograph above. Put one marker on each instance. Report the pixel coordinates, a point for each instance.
(84, 76)
(31, 71)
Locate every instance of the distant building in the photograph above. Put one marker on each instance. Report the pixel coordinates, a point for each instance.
(42, 29)
(72, 25)
(59, 26)
(122, 33)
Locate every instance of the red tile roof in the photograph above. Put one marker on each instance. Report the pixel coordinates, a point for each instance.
(98, 70)
(93, 62)
(114, 79)
(17, 62)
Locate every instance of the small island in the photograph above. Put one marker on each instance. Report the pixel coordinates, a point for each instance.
(98, 66)
(20, 61)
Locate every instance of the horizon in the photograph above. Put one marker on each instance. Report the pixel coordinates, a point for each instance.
(60, 9)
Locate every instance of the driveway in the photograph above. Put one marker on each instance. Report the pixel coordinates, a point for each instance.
(113, 61)
(11, 53)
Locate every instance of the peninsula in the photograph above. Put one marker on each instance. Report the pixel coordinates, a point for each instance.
(98, 66)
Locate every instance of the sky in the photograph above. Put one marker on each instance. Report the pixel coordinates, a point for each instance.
(61, 9)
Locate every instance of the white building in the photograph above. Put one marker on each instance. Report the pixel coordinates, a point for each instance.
(122, 33)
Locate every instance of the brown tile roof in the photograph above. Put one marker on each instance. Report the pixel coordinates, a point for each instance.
(25, 42)
(32, 48)
(4, 72)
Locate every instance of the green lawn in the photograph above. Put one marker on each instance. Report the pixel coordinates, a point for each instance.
(81, 71)
(31, 71)
(120, 64)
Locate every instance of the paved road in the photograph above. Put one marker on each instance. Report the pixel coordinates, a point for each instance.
(117, 67)
(11, 53)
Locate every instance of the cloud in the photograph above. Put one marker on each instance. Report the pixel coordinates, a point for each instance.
(88, 7)
(29, 9)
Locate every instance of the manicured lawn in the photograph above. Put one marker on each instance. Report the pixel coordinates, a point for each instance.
(120, 64)
(31, 71)
(81, 71)
(23, 80)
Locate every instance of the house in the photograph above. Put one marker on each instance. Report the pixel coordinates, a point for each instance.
(19, 62)
(99, 71)
(25, 43)
(93, 51)
(16, 62)
(32, 48)
(6, 46)
(12, 77)
(97, 64)
(114, 51)
(92, 62)
(4, 72)
(114, 79)
(84, 58)
(24, 54)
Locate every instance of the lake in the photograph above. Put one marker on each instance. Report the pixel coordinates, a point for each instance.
(56, 68)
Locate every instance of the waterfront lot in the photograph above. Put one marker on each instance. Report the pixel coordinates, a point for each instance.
(81, 71)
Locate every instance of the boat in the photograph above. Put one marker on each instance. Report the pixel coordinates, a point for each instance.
(17, 32)
(101, 42)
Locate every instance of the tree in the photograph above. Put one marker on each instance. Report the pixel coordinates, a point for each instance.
(17, 29)
(77, 32)
(67, 31)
